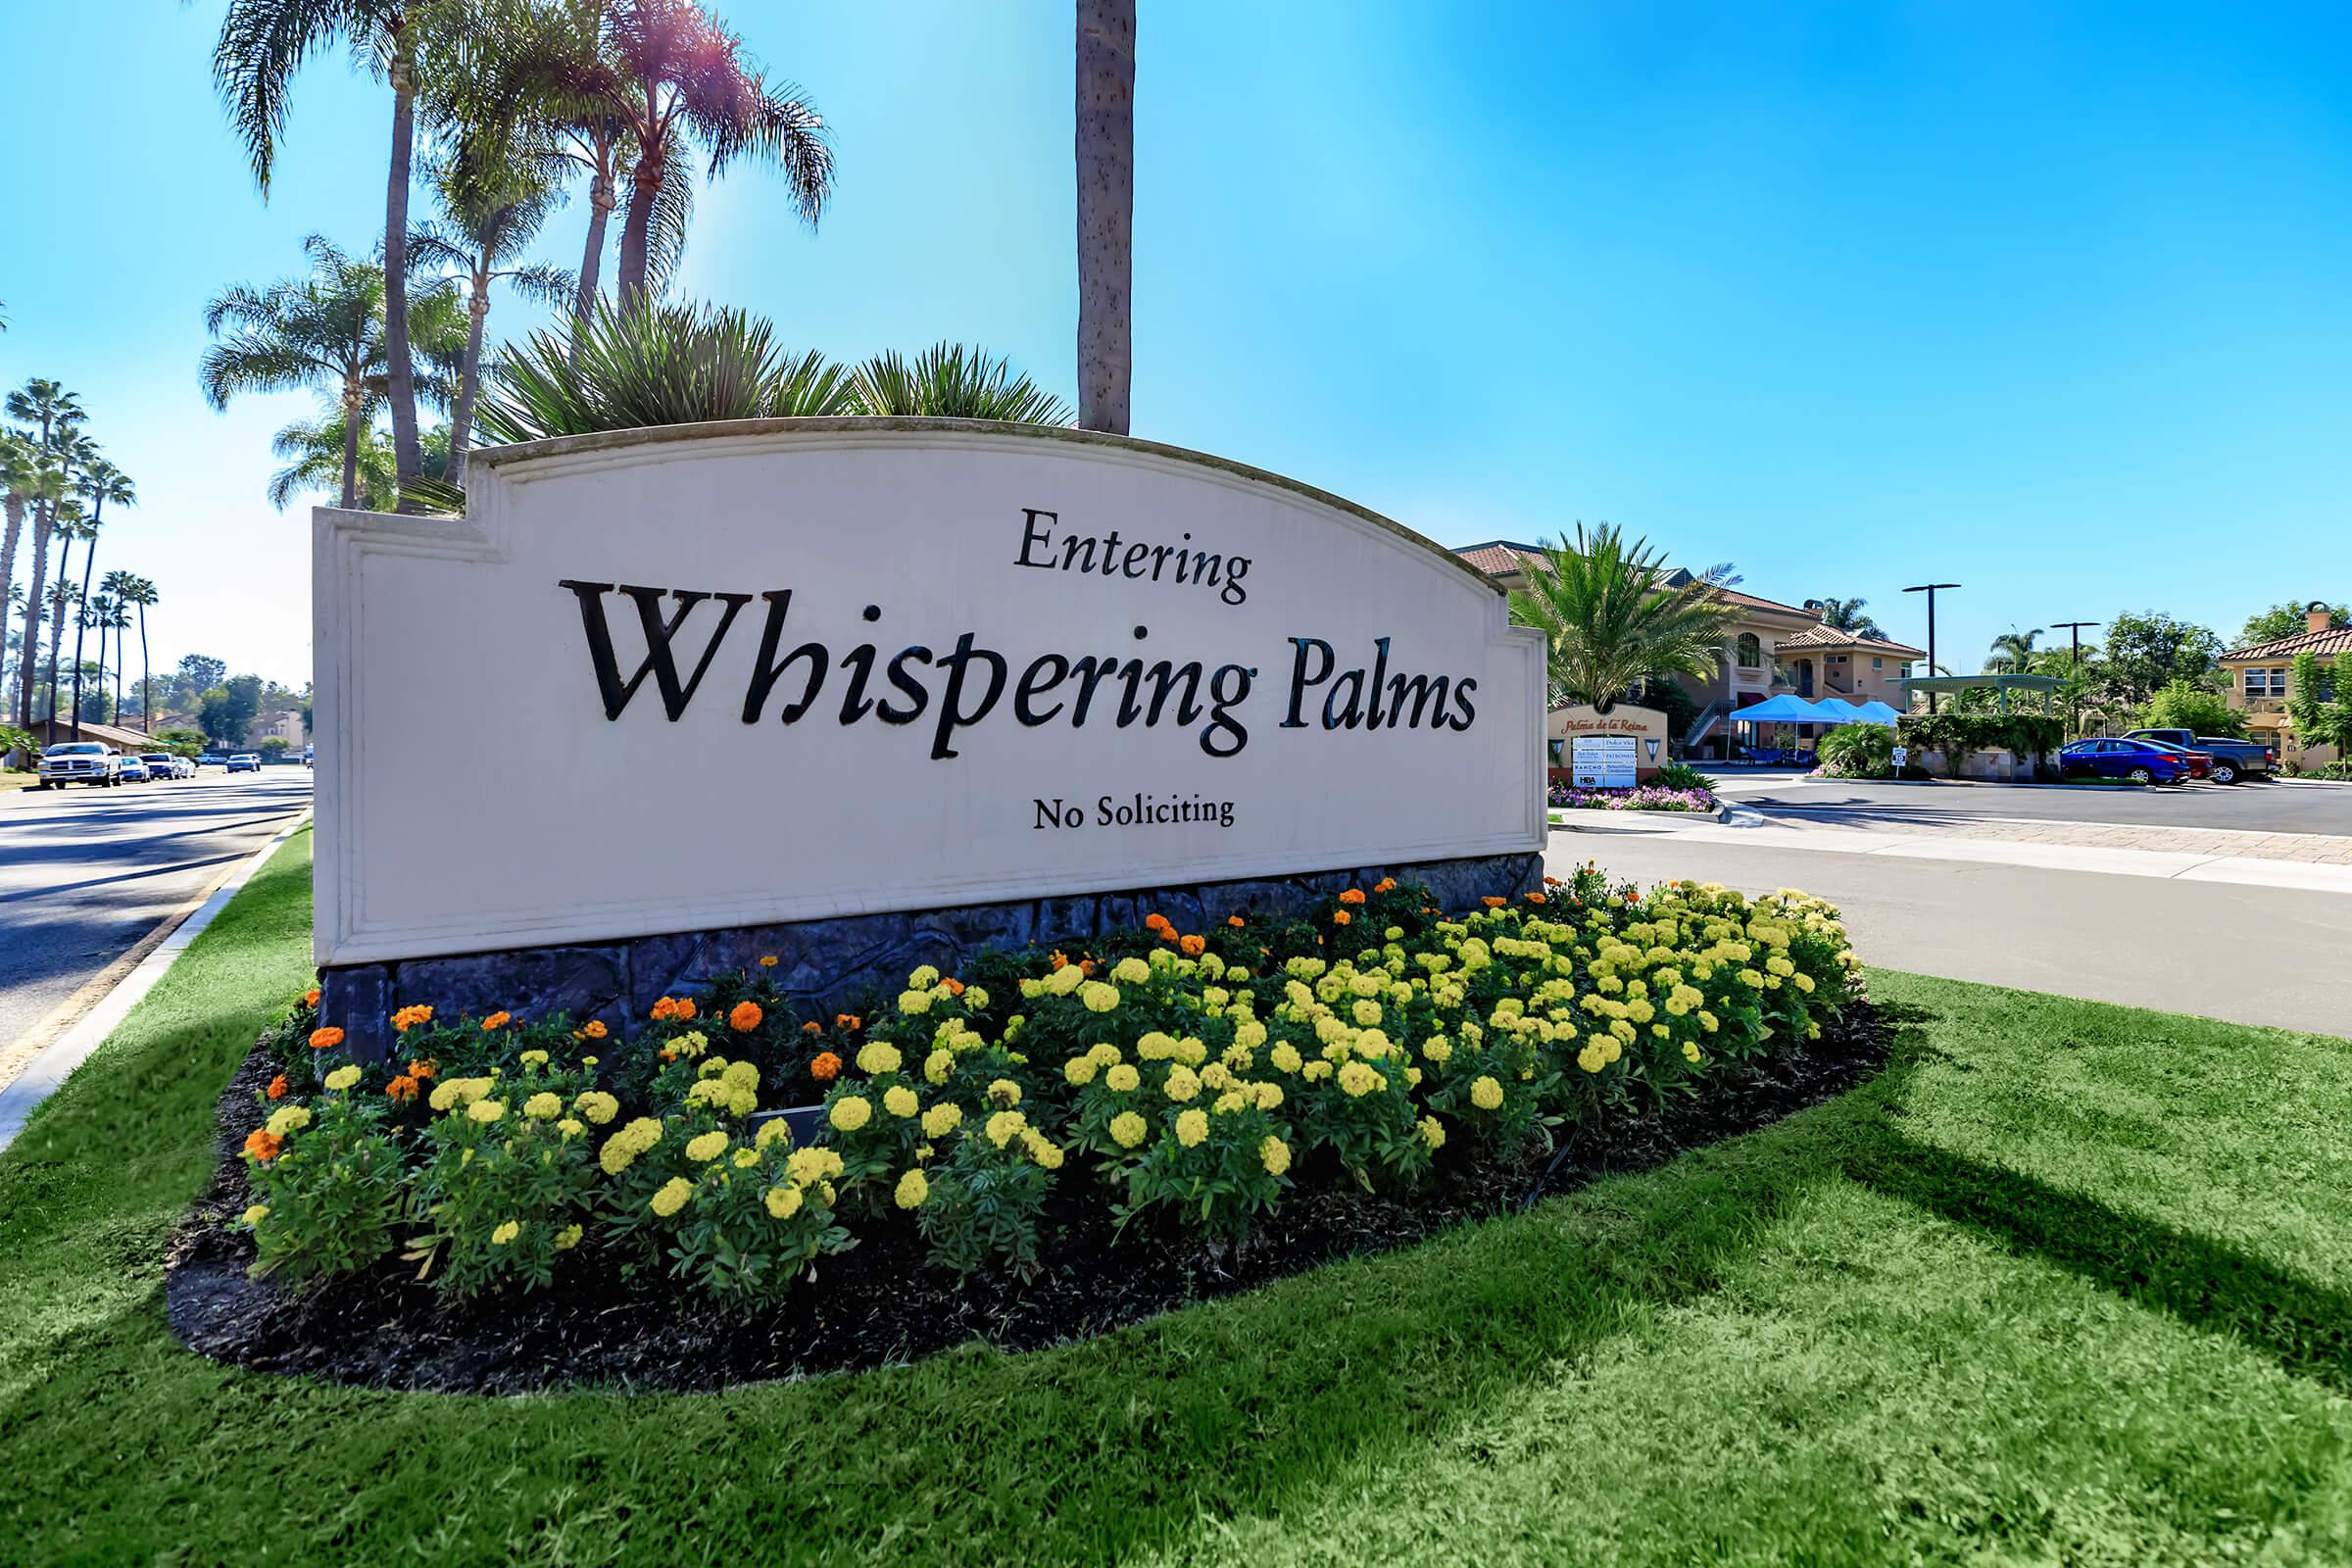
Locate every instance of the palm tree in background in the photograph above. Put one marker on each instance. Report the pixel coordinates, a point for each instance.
(2013, 652)
(1106, 115)
(19, 462)
(675, 78)
(57, 414)
(262, 46)
(139, 593)
(1613, 614)
(1847, 614)
(313, 454)
(110, 611)
(327, 331)
(101, 482)
(73, 526)
(497, 193)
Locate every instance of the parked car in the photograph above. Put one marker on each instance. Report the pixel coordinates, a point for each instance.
(163, 764)
(2138, 762)
(244, 762)
(80, 762)
(2200, 763)
(2231, 760)
(211, 759)
(307, 760)
(134, 768)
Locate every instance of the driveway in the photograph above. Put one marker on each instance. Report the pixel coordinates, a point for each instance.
(85, 873)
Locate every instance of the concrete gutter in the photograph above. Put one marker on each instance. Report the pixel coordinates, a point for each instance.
(43, 1075)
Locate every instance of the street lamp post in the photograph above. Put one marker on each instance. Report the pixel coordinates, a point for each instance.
(1931, 589)
(2074, 628)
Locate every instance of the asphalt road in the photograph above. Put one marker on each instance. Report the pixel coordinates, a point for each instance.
(84, 873)
(2277, 807)
(2269, 955)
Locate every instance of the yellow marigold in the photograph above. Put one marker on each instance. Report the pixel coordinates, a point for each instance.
(1691, 1050)
(1191, 1127)
(1098, 996)
(597, 1105)
(255, 1216)
(912, 1188)
(1043, 1150)
(572, 1128)
(1131, 971)
(878, 1056)
(1182, 1083)
(1432, 1133)
(783, 1202)
(287, 1119)
(1356, 1080)
(506, 1233)
(486, 1110)
(672, 1196)
(1122, 1078)
(1275, 1154)
(343, 1077)
(744, 1158)
(942, 1120)
(1004, 1091)
(1486, 1094)
(1004, 1126)
(914, 1002)
(1080, 1071)
(567, 1238)
(900, 1101)
(543, 1107)
(1127, 1128)
(851, 1112)
(1285, 1056)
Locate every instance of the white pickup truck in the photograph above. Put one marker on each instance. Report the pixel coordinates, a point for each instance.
(80, 762)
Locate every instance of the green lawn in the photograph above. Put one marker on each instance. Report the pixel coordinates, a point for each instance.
(2067, 1283)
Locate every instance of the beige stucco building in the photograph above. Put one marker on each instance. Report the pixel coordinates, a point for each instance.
(1772, 647)
(2262, 677)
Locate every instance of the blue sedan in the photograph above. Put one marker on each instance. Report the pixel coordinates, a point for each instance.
(2138, 762)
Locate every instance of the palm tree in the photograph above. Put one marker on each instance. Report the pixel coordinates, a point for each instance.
(1612, 614)
(325, 331)
(2013, 652)
(139, 593)
(57, 413)
(949, 382)
(1106, 211)
(314, 450)
(17, 465)
(108, 612)
(673, 76)
(101, 482)
(72, 525)
(1847, 614)
(261, 47)
(496, 194)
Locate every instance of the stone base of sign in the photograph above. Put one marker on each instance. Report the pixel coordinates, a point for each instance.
(827, 965)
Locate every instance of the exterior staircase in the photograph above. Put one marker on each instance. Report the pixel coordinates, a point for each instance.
(1703, 723)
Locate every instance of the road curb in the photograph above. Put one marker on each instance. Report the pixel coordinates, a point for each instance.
(43, 1075)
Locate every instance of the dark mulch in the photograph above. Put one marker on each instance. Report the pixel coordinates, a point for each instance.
(877, 1304)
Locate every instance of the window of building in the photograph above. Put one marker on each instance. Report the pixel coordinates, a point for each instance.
(2270, 682)
(1750, 652)
(1878, 663)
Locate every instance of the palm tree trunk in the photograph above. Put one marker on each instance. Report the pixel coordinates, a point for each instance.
(600, 209)
(1106, 211)
(146, 677)
(461, 417)
(57, 618)
(7, 560)
(408, 453)
(89, 559)
(118, 715)
(351, 447)
(645, 185)
(29, 658)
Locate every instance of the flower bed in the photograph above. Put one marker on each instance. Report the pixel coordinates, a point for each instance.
(1648, 797)
(1095, 1133)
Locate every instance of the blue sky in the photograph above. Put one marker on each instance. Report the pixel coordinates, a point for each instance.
(2048, 300)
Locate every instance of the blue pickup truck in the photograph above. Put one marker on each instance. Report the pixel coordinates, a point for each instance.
(2231, 760)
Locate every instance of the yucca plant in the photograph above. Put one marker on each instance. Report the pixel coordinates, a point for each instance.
(955, 381)
(655, 365)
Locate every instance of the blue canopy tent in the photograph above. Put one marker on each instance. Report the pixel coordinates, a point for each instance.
(1788, 709)
(1875, 711)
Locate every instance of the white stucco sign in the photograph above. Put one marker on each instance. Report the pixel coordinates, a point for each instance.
(724, 676)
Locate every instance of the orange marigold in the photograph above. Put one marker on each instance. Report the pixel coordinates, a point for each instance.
(767, 960)
(851, 1021)
(1494, 902)
(1156, 922)
(1535, 898)
(407, 1018)
(497, 1020)
(1340, 917)
(1353, 896)
(277, 1086)
(594, 1029)
(263, 1144)
(744, 1017)
(1234, 920)
(953, 986)
(424, 1067)
(825, 1069)
(813, 1027)
(309, 998)
(402, 1088)
(1387, 884)
(1193, 946)
(327, 1039)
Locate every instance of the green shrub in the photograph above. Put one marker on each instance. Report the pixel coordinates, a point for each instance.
(1954, 734)
(509, 1179)
(2184, 705)
(1674, 775)
(328, 1183)
(1858, 751)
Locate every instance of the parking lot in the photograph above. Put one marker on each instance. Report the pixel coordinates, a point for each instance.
(2282, 807)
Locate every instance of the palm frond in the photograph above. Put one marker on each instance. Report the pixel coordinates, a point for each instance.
(1613, 614)
(955, 381)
